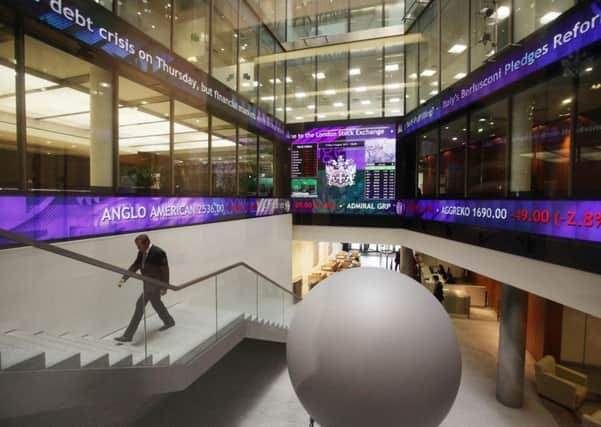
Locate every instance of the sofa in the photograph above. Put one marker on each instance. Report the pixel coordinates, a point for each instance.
(593, 420)
(560, 384)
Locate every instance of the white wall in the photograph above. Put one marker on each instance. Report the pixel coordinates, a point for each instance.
(580, 338)
(42, 291)
(308, 256)
(574, 288)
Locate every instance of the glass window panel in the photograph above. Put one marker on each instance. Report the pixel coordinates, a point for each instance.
(428, 53)
(587, 167)
(249, 49)
(366, 14)
(190, 149)
(301, 19)
(332, 86)
(9, 162)
(267, 82)
(247, 163)
(394, 87)
(223, 157)
(266, 168)
(487, 150)
(533, 14)
(69, 120)
(332, 17)
(490, 31)
(153, 17)
(540, 148)
(411, 73)
(427, 152)
(225, 42)
(191, 31)
(143, 138)
(365, 73)
(453, 139)
(454, 41)
(300, 90)
(280, 87)
(394, 12)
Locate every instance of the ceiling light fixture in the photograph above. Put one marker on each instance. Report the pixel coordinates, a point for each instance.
(458, 48)
(354, 71)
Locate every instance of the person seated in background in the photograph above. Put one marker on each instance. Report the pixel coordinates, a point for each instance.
(438, 289)
(450, 278)
(442, 271)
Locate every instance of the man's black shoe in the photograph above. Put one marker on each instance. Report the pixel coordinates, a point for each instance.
(123, 338)
(165, 327)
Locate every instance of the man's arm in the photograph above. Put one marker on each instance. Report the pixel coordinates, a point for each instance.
(133, 268)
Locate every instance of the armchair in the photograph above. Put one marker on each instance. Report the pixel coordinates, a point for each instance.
(560, 384)
(593, 420)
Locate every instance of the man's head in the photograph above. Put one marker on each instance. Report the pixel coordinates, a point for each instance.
(142, 242)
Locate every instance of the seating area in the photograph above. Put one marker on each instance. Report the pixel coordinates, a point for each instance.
(560, 384)
(343, 260)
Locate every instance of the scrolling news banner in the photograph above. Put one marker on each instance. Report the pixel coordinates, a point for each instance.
(344, 170)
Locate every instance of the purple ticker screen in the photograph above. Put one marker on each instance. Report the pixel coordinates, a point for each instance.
(568, 219)
(67, 217)
(344, 170)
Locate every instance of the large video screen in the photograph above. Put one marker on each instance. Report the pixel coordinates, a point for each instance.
(344, 170)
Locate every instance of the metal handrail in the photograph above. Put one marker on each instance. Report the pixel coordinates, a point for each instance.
(16, 237)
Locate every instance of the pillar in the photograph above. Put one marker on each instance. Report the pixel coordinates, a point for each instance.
(407, 261)
(512, 347)
(101, 128)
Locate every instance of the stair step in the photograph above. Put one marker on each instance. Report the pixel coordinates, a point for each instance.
(55, 358)
(89, 359)
(117, 357)
(15, 359)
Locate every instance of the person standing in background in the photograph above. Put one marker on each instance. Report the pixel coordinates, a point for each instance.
(438, 289)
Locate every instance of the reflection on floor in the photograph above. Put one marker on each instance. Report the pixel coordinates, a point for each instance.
(251, 388)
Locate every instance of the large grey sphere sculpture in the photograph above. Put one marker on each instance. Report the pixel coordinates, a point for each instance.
(371, 347)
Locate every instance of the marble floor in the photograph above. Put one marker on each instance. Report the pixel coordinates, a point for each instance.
(251, 388)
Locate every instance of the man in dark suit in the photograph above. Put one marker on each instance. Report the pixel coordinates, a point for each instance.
(152, 262)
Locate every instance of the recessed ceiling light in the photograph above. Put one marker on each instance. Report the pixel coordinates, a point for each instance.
(289, 80)
(459, 76)
(433, 92)
(267, 98)
(275, 81)
(503, 12)
(391, 67)
(394, 100)
(548, 17)
(365, 102)
(394, 86)
(300, 94)
(428, 72)
(566, 101)
(435, 84)
(413, 76)
(588, 69)
(457, 49)
(329, 92)
(395, 111)
(361, 89)
(369, 112)
(288, 108)
(311, 107)
(338, 104)
(454, 138)
(321, 116)
(354, 71)
(279, 109)
(319, 76)
(299, 117)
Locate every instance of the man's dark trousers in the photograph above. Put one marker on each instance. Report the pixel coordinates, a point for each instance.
(155, 299)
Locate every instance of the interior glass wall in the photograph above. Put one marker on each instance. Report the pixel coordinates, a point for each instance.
(490, 29)
(69, 120)
(366, 76)
(144, 139)
(587, 156)
(454, 41)
(267, 78)
(394, 80)
(301, 19)
(533, 14)
(332, 86)
(411, 71)
(428, 53)
(280, 87)
(247, 163)
(332, 17)
(300, 90)
(224, 56)
(366, 15)
(487, 150)
(394, 12)
(9, 164)
(541, 139)
(453, 140)
(191, 31)
(266, 168)
(249, 50)
(190, 149)
(223, 157)
(153, 17)
(427, 154)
